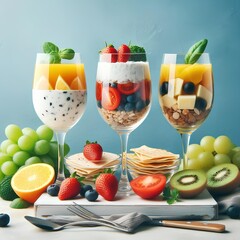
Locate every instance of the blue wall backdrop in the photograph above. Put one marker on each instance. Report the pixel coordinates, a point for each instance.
(84, 25)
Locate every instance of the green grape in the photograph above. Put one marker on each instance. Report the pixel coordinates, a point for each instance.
(53, 152)
(194, 150)
(220, 158)
(31, 133)
(5, 144)
(42, 147)
(33, 160)
(233, 151)
(206, 160)
(223, 144)
(44, 132)
(236, 159)
(4, 158)
(48, 160)
(26, 143)
(12, 149)
(13, 132)
(193, 164)
(9, 168)
(1, 176)
(207, 143)
(20, 157)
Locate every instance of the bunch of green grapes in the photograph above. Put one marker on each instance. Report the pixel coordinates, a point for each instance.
(27, 146)
(212, 151)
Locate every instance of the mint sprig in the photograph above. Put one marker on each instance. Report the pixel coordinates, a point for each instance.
(195, 51)
(170, 195)
(57, 55)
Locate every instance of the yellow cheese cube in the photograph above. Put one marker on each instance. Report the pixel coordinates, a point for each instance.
(168, 101)
(186, 101)
(204, 93)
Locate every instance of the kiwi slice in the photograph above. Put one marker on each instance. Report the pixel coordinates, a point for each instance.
(223, 179)
(189, 183)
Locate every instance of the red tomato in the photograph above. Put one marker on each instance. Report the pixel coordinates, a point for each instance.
(145, 90)
(148, 186)
(128, 88)
(98, 91)
(111, 98)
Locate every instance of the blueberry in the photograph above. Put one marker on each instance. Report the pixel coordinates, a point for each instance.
(121, 107)
(53, 190)
(200, 103)
(132, 98)
(140, 105)
(91, 195)
(234, 212)
(4, 219)
(123, 99)
(164, 88)
(129, 107)
(84, 189)
(114, 85)
(99, 104)
(189, 87)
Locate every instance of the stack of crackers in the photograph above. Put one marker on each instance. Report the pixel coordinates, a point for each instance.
(88, 169)
(146, 160)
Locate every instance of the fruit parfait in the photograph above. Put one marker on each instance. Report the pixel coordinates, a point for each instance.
(59, 91)
(185, 92)
(123, 94)
(123, 88)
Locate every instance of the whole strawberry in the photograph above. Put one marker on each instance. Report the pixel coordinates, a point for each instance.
(123, 53)
(69, 188)
(110, 49)
(107, 185)
(92, 151)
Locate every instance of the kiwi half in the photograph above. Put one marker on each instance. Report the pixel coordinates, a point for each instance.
(189, 183)
(223, 178)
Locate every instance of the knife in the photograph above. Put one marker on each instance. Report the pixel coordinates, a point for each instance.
(194, 225)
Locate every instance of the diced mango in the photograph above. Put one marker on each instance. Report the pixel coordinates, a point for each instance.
(61, 84)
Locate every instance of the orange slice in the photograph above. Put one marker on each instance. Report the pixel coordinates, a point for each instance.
(31, 181)
(61, 84)
(43, 84)
(77, 84)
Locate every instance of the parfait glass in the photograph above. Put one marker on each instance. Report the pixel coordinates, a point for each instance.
(59, 98)
(186, 94)
(123, 95)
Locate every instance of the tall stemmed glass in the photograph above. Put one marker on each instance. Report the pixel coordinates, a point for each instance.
(186, 94)
(59, 98)
(123, 94)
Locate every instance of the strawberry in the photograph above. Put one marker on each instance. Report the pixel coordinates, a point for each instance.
(110, 49)
(69, 188)
(107, 185)
(92, 151)
(123, 53)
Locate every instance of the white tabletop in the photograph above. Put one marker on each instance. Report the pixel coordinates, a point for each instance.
(19, 228)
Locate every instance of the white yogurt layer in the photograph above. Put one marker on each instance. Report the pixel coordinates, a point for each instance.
(59, 110)
(122, 72)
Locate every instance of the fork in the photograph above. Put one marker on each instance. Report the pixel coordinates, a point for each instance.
(84, 213)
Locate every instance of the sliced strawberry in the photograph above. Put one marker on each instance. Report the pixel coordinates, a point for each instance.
(107, 186)
(110, 50)
(111, 98)
(128, 88)
(123, 53)
(98, 91)
(92, 151)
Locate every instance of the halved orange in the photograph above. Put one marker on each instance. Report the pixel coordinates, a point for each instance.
(61, 84)
(31, 181)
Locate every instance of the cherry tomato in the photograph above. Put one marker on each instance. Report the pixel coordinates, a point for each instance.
(111, 98)
(128, 88)
(145, 90)
(148, 186)
(98, 91)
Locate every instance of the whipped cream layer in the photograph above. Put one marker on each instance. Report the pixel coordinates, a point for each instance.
(122, 72)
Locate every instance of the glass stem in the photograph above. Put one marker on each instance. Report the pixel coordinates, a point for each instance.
(124, 185)
(60, 167)
(185, 142)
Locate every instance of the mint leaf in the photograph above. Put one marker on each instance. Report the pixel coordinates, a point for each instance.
(137, 54)
(195, 51)
(55, 58)
(49, 47)
(170, 195)
(67, 53)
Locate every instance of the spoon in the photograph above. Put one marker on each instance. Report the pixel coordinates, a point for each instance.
(51, 226)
